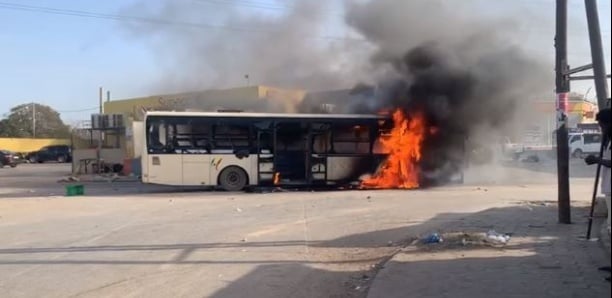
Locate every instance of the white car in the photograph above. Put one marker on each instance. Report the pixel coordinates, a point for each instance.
(581, 144)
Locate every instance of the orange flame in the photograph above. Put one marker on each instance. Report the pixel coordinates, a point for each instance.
(403, 146)
(276, 180)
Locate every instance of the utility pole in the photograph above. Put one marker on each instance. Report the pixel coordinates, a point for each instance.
(599, 66)
(99, 149)
(101, 100)
(33, 120)
(562, 84)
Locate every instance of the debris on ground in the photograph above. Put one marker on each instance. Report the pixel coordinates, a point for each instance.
(496, 237)
(69, 179)
(432, 238)
(238, 209)
(452, 240)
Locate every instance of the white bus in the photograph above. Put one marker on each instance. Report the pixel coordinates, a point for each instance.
(236, 150)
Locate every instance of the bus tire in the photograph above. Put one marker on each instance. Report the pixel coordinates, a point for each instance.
(233, 178)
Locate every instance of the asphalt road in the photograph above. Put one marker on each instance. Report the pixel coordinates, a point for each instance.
(27, 180)
(121, 243)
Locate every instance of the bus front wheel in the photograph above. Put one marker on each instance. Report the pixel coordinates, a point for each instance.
(233, 179)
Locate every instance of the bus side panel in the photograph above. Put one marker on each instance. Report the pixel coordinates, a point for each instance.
(341, 167)
(196, 170)
(221, 161)
(351, 168)
(164, 169)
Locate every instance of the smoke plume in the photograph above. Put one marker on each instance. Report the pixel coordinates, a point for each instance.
(465, 73)
(289, 48)
(469, 74)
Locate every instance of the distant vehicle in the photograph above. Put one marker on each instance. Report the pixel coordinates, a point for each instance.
(581, 144)
(58, 153)
(8, 158)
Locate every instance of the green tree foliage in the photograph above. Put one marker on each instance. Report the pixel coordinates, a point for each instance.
(19, 123)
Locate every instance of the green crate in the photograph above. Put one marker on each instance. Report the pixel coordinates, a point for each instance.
(75, 190)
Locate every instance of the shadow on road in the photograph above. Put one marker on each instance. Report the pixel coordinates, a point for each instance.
(540, 251)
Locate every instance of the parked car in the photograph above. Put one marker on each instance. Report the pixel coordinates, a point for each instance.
(58, 153)
(582, 144)
(8, 158)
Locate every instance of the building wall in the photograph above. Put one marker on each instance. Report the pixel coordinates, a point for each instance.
(252, 98)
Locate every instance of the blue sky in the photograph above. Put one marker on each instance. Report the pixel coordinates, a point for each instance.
(61, 60)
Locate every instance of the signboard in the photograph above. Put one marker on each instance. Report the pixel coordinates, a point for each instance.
(562, 106)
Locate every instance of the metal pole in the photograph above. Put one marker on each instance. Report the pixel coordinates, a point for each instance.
(562, 89)
(599, 66)
(33, 120)
(604, 141)
(99, 149)
(101, 99)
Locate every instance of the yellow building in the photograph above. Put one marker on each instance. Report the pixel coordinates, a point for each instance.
(252, 99)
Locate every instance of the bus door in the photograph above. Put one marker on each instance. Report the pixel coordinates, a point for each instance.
(290, 151)
(319, 146)
(163, 165)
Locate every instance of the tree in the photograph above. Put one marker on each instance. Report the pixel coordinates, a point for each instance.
(20, 124)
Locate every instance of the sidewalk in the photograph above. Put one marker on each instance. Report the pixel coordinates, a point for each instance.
(542, 259)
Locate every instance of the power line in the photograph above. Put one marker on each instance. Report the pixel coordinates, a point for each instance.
(81, 110)
(127, 18)
(261, 5)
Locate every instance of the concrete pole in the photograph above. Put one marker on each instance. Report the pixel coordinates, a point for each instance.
(562, 89)
(33, 120)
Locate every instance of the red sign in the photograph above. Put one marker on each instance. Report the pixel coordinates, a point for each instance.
(563, 102)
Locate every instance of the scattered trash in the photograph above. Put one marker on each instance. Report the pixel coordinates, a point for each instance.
(243, 240)
(390, 243)
(238, 209)
(358, 288)
(69, 179)
(368, 197)
(432, 238)
(495, 237)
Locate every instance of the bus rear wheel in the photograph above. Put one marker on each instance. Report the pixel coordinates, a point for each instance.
(233, 179)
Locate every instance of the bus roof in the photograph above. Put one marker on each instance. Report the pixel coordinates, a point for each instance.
(265, 115)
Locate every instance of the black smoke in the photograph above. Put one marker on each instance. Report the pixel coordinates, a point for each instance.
(465, 75)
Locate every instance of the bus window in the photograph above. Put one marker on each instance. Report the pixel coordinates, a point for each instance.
(321, 143)
(232, 136)
(157, 136)
(351, 139)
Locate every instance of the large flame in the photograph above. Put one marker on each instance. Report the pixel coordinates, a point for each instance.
(403, 146)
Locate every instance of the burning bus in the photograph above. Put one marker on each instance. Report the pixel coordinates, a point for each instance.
(235, 150)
